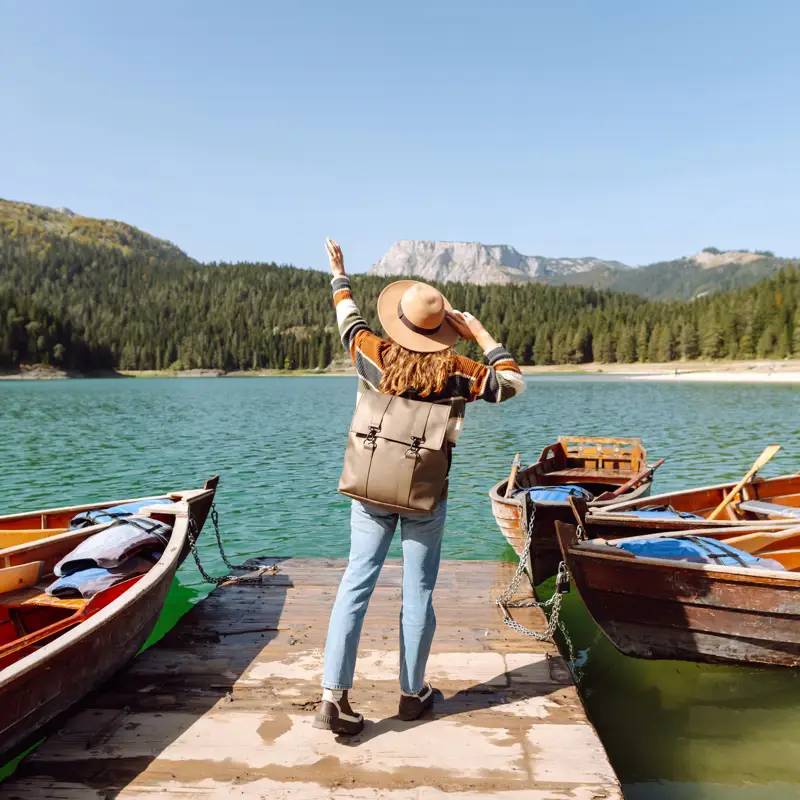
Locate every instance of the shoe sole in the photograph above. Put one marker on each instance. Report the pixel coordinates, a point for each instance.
(326, 722)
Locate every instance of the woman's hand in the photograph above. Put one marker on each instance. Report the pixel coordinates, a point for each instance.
(469, 327)
(335, 257)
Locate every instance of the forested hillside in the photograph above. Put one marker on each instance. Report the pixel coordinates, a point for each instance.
(682, 279)
(38, 226)
(90, 306)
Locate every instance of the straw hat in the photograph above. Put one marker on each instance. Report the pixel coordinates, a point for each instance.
(413, 314)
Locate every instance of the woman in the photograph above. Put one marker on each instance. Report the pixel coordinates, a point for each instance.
(417, 362)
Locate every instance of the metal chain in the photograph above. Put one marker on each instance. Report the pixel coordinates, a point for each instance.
(553, 605)
(194, 532)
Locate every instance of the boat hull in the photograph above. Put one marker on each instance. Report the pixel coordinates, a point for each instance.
(37, 698)
(43, 686)
(512, 516)
(667, 610)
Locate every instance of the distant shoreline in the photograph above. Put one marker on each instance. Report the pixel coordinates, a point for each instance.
(763, 371)
(760, 371)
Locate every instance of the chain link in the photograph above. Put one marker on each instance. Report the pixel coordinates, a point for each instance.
(553, 605)
(194, 532)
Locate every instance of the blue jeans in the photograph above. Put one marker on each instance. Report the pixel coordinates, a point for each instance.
(371, 532)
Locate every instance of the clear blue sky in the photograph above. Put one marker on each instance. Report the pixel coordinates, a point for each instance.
(252, 130)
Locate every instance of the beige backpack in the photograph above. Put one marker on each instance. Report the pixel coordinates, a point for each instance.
(397, 456)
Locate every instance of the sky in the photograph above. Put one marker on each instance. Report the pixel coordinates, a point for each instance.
(250, 131)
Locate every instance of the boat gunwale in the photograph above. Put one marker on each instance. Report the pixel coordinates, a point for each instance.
(736, 574)
(85, 507)
(759, 480)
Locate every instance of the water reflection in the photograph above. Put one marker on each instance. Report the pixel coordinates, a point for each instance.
(688, 731)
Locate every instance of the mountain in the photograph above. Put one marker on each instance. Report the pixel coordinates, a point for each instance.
(708, 271)
(473, 262)
(39, 225)
(84, 303)
(685, 278)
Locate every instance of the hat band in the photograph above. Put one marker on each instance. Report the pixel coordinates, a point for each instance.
(411, 326)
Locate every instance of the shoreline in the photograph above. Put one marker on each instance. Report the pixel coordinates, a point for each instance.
(761, 371)
(756, 371)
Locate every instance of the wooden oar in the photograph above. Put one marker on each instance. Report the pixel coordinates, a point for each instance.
(761, 540)
(768, 453)
(512, 478)
(634, 481)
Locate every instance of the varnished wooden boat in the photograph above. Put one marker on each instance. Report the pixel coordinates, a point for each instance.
(763, 500)
(599, 464)
(54, 651)
(656, 608)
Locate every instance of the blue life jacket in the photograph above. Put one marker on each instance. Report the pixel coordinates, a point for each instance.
(558, 494)
(86, 583)
(100, 515)
(113, 546)
(697, 549)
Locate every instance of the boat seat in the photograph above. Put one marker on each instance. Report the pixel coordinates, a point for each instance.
(587, 474)
(36, 596)
(771, 509)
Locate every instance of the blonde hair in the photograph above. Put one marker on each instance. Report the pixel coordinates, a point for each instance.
(423, 373)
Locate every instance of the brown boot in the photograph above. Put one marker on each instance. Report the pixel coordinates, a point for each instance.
(336, 715)
(413, 706)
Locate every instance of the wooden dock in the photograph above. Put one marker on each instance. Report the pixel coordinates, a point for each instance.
(222, 707)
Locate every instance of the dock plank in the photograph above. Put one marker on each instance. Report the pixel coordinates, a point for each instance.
(223, 705)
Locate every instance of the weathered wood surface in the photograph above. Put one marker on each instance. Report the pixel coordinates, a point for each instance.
(223, 706)
(659, 609)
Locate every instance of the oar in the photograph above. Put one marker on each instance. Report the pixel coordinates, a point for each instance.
(634, 481)
(768, 453)
(761, 540)
(512, 478)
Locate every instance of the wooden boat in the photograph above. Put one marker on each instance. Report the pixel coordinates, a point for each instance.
(598, 464)
(53, 651)
(762, 500)
(656, 608)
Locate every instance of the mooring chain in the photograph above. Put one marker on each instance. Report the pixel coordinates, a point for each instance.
(194, 533)
(553, 605)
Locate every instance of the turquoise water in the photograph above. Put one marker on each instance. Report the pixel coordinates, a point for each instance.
(672, 730)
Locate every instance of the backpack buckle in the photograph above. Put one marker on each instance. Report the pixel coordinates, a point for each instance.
(372, 437)
(416, 443)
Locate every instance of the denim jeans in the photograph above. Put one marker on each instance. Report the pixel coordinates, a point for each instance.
(371, 532)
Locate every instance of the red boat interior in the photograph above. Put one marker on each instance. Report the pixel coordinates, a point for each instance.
(30, 618)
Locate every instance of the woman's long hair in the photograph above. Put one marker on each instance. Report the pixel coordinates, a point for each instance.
(423, 374)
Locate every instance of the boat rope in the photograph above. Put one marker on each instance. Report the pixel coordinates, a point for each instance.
(550, 607)
(194, 532)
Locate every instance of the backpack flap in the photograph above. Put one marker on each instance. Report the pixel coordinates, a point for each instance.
(397, 454)
(405, 421)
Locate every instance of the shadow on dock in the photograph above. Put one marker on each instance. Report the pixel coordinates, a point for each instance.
(224, 704)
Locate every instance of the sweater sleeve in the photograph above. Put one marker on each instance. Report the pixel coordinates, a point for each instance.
(496, 382)
(364, 346)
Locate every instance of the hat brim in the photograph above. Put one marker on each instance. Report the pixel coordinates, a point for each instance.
(446, 336)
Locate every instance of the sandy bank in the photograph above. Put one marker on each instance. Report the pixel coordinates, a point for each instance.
(787, 371)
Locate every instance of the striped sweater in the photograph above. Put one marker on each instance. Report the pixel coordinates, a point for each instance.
(500, 380)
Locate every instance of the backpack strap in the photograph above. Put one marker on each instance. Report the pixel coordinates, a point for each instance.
(380, 404)
(406, 468)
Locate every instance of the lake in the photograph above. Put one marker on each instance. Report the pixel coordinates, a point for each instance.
(674, 731)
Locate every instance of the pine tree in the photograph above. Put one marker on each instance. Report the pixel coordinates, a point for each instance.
(690, 342)
(626, 346)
